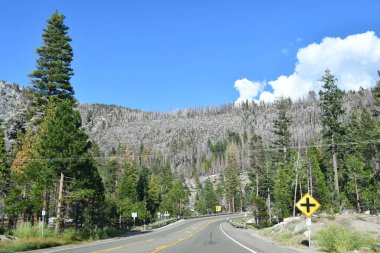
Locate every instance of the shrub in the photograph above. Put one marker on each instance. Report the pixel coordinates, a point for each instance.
(336, 238)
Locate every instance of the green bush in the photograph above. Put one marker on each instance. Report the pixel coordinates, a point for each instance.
(27, 230)
(336, 238)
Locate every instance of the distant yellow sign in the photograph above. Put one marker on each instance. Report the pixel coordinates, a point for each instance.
(308, 205)
(218, 209)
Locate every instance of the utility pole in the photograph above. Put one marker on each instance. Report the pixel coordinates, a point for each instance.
(59, 207)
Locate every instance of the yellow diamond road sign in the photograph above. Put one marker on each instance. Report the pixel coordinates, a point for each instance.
(308, 205)
(218, 209)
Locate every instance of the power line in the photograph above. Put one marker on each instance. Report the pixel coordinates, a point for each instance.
(68, 159)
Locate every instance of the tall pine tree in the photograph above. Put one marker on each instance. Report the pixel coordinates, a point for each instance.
(331, 101)
(281, 129)
(53, 73)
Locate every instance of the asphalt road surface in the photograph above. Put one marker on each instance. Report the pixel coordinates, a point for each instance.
(211, 234)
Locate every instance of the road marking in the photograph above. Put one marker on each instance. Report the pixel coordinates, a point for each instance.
(119, 247)
(179, 240)
(238, 243)
(163, 229)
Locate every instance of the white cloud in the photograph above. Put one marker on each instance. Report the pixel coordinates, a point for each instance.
(354, 60)
(247, 89)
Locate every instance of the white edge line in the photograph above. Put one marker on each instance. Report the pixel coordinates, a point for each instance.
(238, 243)
(111, 240)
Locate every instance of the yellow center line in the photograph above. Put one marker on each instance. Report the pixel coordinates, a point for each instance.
(179, 240)
(122, 246)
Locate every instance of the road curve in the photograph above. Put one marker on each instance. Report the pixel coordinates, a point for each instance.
(211, 234)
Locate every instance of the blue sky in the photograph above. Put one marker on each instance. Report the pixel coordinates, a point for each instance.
(165, 55)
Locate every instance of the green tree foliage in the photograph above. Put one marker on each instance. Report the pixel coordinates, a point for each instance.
(4, 169)
(143, 183)
(109, 175)
(284, 186)
(260, 211)
(65, 146)
(233, 186)
(318, 186)
(175, 200)
(359, 187)
(257, 174)
(153, 194)
(281, 129)
(206, 199)
(52, 77)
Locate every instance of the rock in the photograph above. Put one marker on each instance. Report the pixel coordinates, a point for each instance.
(291, 219)
(376, 247)
(251, 221)
(300, 227)
(367, 212)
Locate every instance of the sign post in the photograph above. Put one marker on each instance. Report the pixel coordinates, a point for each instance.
(218, 209)
(43, 220)
(308, 205)
(134, 216)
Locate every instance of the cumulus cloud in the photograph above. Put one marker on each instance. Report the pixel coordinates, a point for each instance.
(354, 60)
(247, 89)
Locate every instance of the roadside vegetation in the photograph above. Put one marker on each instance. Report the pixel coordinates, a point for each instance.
(336, 238)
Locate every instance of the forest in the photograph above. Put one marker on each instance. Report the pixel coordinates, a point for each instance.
(56, 163)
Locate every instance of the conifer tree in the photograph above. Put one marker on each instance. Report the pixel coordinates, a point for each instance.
(257, 174)
(283, 188)
(53, 73)
(4, 170)
(207, 199)
(66, 146)
(153, 194)
(232, 180)
(331, 101)
(281, 129)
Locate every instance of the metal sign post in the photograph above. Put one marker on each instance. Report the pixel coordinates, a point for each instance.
(308, 205)
(43, 221)
(134, 216)
(308, 224)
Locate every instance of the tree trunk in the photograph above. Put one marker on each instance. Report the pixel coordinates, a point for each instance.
(295, 186)
(269, 208)
(58, 225)
(357, 194)
(233, 204)
(335, 167)
(257, 184)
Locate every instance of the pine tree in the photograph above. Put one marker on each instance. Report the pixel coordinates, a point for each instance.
(207, 199)
(232, 180)
(153, 194)
(4, 170)
(317, 181)
(257, 174)
(4, 173)
(65, 146)
(331, 101)
(284, 184)
(52, 77)
(281, 129)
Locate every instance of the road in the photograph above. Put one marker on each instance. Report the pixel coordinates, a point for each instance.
(212, 234)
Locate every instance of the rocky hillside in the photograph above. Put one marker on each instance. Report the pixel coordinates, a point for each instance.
(181, 137)
(13, 106)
